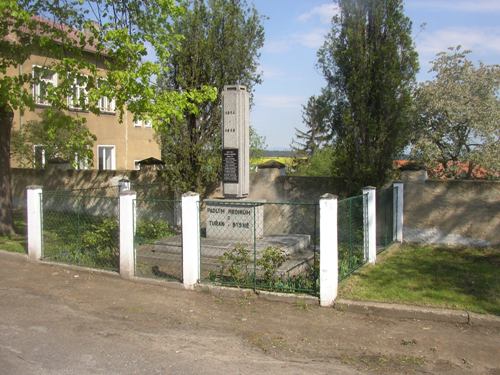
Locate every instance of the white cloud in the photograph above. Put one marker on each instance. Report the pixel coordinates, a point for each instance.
(280, 101)
(271, 72)
(458, 5)
(324, 12)
(479, 40)
(311, 39)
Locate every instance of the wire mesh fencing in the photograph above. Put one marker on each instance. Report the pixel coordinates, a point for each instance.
(260, 245)
(81, 229)
(352, 231)
(158, 239)
(385, 217)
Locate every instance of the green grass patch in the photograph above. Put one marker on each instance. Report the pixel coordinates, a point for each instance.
(17, 242)
(457, 278)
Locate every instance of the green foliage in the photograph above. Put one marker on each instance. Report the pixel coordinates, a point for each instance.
(457, 115)
(62, 136)
(115, 35)
(151, 230)
(315, 117)
(369, 63)
(319, 164)
(236, 262)
(236, 267)
(269, 262)
(257, 144)
(101, 242)
(221, 40)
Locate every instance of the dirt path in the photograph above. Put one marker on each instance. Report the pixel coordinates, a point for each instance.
(57, 321)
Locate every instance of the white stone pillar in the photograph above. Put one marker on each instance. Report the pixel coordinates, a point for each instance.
(127, 221)
(398, 205)
(190, 239)
(34, 208)
(328, 254)
(371, 218)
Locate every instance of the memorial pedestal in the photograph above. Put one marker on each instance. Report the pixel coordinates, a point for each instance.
(235, 219)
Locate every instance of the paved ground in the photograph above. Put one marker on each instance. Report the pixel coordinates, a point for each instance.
(59, 321)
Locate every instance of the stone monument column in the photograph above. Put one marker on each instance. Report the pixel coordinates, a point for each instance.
(235, 141)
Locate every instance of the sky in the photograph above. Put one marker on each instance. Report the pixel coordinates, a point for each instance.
(295, 29)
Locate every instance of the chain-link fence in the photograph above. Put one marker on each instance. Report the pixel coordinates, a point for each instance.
(352, 234)
(81, 228)
(158, 239)
(260, 245)
(385, 217)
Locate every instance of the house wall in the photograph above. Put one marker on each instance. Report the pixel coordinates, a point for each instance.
(131, 143)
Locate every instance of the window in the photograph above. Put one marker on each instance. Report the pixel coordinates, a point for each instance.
(38, 156)
(81, 163)
(106, 157)
(147, 123)
(42, 79)
(106, 104)
(137, 166)
(79, 95)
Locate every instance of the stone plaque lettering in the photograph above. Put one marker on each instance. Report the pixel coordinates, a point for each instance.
(230, 165)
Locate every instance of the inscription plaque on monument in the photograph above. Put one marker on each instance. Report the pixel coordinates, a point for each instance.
(230, 165)
(235, 141)
(232, 220)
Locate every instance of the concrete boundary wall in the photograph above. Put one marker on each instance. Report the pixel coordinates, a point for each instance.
(452, 212)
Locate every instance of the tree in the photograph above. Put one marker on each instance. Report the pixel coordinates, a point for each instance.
(315, 117)
(221, 40)
(369, 63)
(61, 136)
(75, 36)
(257, 144)
(318, 164)
(458, 114)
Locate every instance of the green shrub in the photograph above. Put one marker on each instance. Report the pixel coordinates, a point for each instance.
(100, 243)
(150, 230)
(270, 260)
(236, 263)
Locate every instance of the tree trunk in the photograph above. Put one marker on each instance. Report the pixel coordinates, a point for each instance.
(6, 223)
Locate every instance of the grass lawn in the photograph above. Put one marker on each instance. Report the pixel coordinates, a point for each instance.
(457, 278)
(16, 243)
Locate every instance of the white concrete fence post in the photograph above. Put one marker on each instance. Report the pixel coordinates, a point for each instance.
(398, 205)
(371, 219)
(34, 208)
(127, 224)
(328, 255)
(190, 239)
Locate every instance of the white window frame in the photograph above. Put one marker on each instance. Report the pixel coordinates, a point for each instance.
(34, 155)
(107, 105)
(139, 123)
(83, 164)
(37, 86)
(137, 166)
(113, 157)
(80, 90)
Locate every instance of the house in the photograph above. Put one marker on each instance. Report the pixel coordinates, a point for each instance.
(119, 146)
